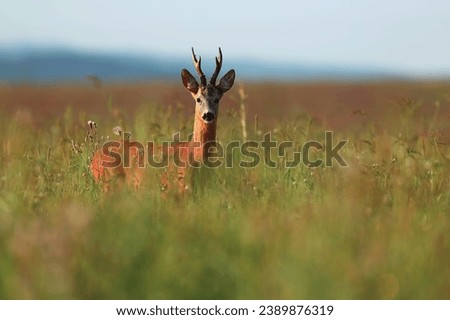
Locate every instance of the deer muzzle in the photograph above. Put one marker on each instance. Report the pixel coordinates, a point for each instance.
(208, 117)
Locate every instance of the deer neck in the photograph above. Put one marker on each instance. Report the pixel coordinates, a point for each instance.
(204, 132)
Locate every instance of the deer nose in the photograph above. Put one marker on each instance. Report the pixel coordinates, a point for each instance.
(208, 117)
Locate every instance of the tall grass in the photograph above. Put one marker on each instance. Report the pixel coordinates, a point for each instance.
(378, 229)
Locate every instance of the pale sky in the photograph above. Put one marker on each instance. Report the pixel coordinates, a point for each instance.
(409, 36)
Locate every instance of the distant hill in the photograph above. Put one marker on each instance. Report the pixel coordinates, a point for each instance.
(42, 65)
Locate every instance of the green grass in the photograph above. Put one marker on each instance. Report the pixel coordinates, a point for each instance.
(378, 229)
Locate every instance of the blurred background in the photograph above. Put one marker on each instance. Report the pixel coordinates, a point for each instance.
(53, 40)
(376, 73)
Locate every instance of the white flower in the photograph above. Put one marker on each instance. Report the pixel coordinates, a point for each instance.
(118, 130)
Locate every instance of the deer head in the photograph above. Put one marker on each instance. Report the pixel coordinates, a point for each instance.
(207, 95)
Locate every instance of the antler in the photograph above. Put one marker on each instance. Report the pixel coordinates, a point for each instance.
(198, 67)
(218, 66)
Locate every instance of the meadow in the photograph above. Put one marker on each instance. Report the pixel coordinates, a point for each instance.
(377, 229)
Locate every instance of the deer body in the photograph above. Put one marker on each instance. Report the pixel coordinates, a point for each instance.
(207, 97)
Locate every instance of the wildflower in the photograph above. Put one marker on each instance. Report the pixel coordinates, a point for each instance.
(118, 130)
(92, 125)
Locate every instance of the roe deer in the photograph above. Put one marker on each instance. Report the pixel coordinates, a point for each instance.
(207, 97)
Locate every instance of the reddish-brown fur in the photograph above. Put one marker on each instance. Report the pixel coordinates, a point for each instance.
(186, 152)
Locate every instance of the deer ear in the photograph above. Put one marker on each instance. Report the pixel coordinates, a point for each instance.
(227, 81)
(189, 81)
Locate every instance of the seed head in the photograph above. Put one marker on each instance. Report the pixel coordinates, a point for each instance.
(118, 130)
(92, 125)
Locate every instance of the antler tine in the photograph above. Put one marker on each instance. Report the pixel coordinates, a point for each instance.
(218, 66)
(198, 67)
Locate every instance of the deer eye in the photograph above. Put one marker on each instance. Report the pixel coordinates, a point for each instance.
(199, 100)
